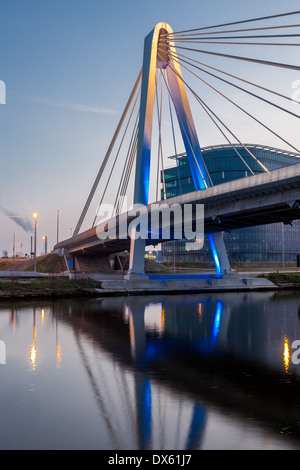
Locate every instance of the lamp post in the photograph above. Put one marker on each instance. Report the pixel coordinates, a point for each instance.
(57, 224)
(35, 216)
(45, 244)
(282, 245)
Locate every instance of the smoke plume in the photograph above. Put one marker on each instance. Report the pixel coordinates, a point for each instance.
(23, 222)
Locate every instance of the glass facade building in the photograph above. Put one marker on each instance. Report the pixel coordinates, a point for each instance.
(261, 243)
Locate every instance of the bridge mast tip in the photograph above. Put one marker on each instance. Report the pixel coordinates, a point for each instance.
(161, 32)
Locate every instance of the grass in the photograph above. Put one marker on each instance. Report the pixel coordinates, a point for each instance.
(283, 278)
(46, 287)
(50, 263)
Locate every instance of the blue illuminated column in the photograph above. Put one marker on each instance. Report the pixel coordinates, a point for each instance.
(196, 162)
(151, 61)
(187, 127)
(219, 252)
(142, 171)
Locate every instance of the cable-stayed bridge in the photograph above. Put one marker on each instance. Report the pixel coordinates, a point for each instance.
(134, 160)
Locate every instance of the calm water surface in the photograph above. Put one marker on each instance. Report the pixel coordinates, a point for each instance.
(159, 372)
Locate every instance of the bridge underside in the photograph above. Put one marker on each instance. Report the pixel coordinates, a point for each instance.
(256, 200)
(89, 243)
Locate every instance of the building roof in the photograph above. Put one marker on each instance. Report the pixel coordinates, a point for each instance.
(249, 146)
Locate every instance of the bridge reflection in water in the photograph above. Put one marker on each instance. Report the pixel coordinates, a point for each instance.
(155, 364)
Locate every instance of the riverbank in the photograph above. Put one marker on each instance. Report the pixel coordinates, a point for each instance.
(52, 287)
(59, 286)
(290, 280)
(53, 279)
(56, 264)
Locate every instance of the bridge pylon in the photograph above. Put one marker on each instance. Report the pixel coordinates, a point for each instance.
(156, 55)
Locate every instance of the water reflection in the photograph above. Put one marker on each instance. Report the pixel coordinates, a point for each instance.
(33, 347)
(162, 372)
(286, 354)
(33, 352)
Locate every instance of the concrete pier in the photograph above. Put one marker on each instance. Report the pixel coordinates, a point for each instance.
(179, 283)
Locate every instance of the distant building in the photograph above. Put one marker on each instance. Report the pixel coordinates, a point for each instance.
(260, 243)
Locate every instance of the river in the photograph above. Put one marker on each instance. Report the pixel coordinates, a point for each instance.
(201, 371)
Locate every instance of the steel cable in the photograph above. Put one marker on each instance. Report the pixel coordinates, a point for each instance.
(200, 100)
(239, 22)
(246, 112)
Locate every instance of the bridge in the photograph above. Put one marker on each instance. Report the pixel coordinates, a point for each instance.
(265, 198)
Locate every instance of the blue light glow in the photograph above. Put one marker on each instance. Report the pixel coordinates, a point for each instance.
(217, 319)
(146, 413)
(215, 253)
(196, 175)
(145, 177)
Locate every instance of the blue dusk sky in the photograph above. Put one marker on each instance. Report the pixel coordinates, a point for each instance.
(69, 67)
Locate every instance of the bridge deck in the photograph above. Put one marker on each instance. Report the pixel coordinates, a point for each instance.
(255, 200)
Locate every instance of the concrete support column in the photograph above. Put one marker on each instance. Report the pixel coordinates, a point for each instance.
(219, 252)
(136, 257)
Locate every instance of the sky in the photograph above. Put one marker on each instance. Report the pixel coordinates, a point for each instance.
(69, 67)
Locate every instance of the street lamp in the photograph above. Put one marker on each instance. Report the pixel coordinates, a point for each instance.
(35, 216)
(57, 224)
